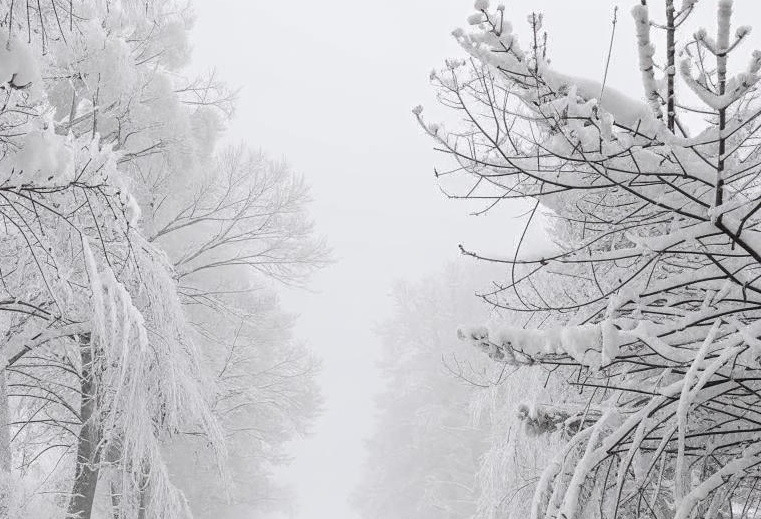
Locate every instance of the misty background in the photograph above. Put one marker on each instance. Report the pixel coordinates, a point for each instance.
(329, 86)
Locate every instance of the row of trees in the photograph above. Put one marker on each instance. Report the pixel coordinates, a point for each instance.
(141, 331)
(648, 308)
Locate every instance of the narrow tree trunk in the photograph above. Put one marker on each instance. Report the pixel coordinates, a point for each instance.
(145, 489)
(116, 478)
(5, 444)
(722, 41)
(88, 451)
(116, 500)
(670, 66)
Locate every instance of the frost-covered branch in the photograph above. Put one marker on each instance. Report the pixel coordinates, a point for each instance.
(650, 292)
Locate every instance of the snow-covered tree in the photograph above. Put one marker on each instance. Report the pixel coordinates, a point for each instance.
(651, 293)
(115, 327)
(240, 229)
(101, 369)
(448, 442)
(424, 455)
(235, 229)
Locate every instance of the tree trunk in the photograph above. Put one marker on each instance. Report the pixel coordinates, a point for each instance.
(5, 445)
(113, 457)
(722, 42)
(145, 489)
(670, 65)
(116, 500)
(88, 450)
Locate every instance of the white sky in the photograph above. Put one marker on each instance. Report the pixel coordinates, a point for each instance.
(329, 84)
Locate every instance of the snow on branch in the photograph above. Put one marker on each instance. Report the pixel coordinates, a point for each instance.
(646, 51)
(651, 293)
(591, 345)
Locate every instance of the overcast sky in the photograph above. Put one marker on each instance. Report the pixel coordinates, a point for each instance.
(329, 84)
